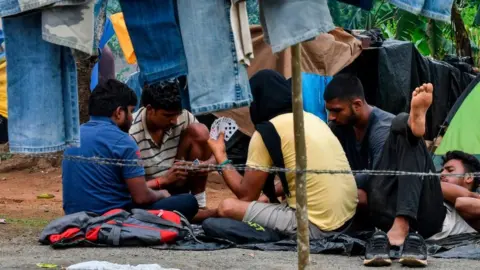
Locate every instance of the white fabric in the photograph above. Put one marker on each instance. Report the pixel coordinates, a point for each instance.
(201, 199)
(241, 31)
(101, 265)
(452, 225)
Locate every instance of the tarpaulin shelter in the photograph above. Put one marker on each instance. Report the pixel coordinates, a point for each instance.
(462, 124)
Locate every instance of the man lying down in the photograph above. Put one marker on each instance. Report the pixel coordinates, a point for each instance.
(407, 208)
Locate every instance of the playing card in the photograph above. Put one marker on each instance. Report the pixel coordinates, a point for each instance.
(228, 127)
(214, 132)
(225, 125)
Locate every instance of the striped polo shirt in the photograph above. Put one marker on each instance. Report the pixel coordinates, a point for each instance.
(155, 156)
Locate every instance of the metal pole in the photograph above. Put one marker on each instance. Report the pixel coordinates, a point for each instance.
(303, 244)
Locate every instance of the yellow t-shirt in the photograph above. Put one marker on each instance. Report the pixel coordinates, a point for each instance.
(3, 88)
(331, 198)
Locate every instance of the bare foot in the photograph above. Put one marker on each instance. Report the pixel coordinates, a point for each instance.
(422, 98)
(399, 231)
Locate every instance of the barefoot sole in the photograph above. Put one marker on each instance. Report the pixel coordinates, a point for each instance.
(377, 262)
(413, 262)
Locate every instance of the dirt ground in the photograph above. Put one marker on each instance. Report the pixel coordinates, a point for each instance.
(19, 191)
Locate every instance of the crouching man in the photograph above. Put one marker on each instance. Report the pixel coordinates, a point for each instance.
(331, 198)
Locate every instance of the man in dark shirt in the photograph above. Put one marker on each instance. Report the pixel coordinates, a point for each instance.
(400, 205)
(97, 187)
(362, 129)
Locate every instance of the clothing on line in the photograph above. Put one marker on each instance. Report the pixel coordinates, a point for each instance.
(283, 30)
(363, 4)
(47, 119)
(136, 81)
(3, 87)
(104, 69)
(216, 80)
(419, 198)
(435, 9)
(75, 24)
(123, 37)
(160, 54)
(241, 31)
(16, 7)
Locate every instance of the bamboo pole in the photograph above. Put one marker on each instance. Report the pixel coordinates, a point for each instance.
(303, 243)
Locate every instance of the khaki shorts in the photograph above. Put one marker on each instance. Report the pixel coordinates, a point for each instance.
(280, 218)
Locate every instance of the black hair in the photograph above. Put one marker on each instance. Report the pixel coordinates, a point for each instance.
(108, 96)
(470, 162)
(163, 95)
(344, 87)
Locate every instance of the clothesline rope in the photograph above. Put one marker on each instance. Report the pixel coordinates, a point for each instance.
(238, 167)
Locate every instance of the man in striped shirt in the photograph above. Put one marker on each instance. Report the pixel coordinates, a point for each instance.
(168, 135)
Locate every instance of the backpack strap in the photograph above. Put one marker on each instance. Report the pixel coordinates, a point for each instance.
(145, 216)
(273, 143)
(113, 238)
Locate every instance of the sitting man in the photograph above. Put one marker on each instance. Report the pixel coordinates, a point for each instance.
(168, 135)
(398, 204)
(97, 187)
(331, 199)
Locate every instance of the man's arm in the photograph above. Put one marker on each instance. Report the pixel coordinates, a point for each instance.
(247, 188)
(134, 176)
(452, 192)
(469, 209)
(141, 194)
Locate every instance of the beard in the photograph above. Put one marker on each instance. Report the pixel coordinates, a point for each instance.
(125, 125)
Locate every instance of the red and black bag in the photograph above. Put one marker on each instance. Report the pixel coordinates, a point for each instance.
(117, 228)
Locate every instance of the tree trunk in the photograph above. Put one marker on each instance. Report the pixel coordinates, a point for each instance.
(85, 65)
(462, 41)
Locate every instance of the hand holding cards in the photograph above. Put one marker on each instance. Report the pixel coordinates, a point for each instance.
(225, 125)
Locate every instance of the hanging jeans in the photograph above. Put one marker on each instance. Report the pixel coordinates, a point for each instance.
(288, 22)
(42, 89)
(436, 9)
(156, 38)
(216, 81)
(420, 199)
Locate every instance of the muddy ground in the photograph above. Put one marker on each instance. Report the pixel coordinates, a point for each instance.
(26, 216)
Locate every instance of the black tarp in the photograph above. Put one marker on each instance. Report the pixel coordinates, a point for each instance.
(465, 246)
(391, 72)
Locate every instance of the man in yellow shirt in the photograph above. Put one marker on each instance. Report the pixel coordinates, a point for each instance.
(331, 198)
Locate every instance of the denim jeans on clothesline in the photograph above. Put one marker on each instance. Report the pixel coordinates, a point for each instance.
(42, 89)
(216, 81)
(156, 38)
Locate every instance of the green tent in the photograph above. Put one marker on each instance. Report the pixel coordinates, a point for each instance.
(462, 124)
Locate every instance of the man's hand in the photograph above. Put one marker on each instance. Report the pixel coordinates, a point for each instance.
(162, 194)
(218, 148)
(176, 175)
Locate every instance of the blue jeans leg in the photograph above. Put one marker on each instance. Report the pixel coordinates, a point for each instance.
(183, 203)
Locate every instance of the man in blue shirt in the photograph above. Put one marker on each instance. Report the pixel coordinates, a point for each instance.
(96, 187)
